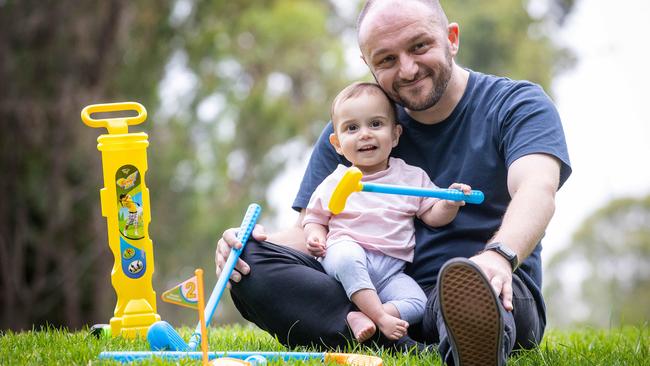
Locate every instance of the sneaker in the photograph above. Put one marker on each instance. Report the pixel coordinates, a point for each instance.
(471, 314)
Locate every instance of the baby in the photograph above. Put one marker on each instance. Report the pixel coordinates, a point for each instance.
(367, 246)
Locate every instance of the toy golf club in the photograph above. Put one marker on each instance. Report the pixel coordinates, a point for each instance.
(338, 358)
(351, 182)
(162, 336)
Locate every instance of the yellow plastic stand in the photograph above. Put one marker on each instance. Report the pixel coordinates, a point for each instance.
(125, 204)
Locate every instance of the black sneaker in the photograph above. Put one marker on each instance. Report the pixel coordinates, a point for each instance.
(471, 314)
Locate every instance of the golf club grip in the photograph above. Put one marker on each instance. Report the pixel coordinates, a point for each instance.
(474, 196)
(244, 233)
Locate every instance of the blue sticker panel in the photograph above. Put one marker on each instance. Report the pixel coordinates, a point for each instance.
(134, 261)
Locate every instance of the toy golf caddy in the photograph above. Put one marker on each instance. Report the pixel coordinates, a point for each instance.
(125, 204)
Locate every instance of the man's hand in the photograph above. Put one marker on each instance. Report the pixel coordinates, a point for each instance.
(224, 245)
(499, 272)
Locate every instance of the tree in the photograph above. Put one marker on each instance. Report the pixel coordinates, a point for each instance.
(58, 56)
(501, 37)
(609, 261)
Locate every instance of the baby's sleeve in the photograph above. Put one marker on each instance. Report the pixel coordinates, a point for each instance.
(425, 202)
(316, 211)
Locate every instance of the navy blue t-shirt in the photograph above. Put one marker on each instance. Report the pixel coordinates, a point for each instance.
(497, 121)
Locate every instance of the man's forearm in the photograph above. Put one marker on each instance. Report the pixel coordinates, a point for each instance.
(526, 219)
(532, 181)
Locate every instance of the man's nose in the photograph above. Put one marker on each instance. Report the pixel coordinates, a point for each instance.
(408, 68)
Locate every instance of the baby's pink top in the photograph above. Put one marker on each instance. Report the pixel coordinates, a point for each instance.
(376, 221)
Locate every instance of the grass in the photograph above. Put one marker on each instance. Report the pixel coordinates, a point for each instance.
(50, 346)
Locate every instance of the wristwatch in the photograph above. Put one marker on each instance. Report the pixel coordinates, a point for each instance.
(505, 252)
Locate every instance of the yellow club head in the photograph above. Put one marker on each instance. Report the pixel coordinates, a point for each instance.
(351, 182)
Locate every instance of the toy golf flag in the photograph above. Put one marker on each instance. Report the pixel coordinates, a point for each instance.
(189, 293)
(184, 294)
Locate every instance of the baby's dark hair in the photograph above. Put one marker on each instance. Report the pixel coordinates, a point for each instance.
(358, 88)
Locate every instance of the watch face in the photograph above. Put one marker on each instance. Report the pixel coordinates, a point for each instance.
(507, 251)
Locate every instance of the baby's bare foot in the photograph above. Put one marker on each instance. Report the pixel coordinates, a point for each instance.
(362, 327)
(392, 327)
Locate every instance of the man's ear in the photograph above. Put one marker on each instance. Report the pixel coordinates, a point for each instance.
(453, 36)
(397, 132)
(334, 140)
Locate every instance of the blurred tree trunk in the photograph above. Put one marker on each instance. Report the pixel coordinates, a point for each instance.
(57, 56)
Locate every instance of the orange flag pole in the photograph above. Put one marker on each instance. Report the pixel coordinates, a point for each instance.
(204, 331)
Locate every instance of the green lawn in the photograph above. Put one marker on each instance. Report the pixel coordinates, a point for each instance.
(621, 346)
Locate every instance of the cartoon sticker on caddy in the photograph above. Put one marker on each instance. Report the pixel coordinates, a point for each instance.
(129, 201)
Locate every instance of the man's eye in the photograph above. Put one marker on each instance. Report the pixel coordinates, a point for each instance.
(420, 47)
(387, 60)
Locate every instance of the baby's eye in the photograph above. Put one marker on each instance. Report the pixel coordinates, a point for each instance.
(376, 123)
(351, 128)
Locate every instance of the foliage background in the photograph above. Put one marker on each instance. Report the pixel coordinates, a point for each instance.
(234, 91)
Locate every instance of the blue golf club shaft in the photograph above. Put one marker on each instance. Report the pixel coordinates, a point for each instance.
(244, 233)
(475, 196)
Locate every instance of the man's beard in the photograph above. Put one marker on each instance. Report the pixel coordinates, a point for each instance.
(440, 79)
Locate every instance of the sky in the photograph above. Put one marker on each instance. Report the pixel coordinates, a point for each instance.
(601, 99)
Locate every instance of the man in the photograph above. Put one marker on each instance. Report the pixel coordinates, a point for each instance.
(500, 136)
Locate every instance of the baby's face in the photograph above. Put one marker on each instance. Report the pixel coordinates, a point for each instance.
(365, 131)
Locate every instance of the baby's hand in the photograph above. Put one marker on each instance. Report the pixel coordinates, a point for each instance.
(316, 245)
(461, 187)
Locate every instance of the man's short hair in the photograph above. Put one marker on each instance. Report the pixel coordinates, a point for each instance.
(358, 88)
(432, 4)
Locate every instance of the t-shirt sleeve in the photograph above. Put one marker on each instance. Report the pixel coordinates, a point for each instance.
(530, 124)
(317, 211)
(425, 202)
(323, 162)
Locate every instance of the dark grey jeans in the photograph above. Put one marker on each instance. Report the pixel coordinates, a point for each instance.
(289, 295)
